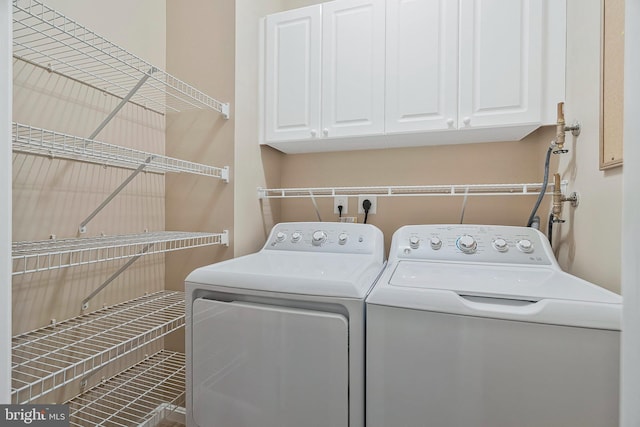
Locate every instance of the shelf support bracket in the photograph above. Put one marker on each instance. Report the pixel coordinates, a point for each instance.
(123, 102)
(114, 276)
(83, 224)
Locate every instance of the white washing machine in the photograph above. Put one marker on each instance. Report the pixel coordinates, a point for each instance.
(276, 338)
(477, 326)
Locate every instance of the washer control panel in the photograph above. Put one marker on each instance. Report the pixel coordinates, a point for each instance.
(472, 243)
(325, 237)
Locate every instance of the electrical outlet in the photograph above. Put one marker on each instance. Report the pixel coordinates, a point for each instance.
(341, 200)
(374, 204)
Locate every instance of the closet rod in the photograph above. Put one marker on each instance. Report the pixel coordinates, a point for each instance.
(530, 189)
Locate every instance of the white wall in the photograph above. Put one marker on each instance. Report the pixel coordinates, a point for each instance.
(630, 414)
(591, 236)
(5, 200)
(249, 173)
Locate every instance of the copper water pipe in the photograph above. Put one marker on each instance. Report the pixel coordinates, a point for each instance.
(560, 126)
(557, 199)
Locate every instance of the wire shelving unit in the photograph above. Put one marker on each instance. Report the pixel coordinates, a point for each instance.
(140, 396)
(44, 255)
(51, 357)
(33, 140)
(49, 39)
(406, 191)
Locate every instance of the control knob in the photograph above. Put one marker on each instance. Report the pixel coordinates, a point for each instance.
(436, 243)
(296, 236)
(500, 245)
(467, 244)
(318, 238)
(342, 238)
(280, 236)
(525, 246)
(414, 242)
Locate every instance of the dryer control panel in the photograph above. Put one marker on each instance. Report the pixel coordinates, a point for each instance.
(327, 237)
(472, 243)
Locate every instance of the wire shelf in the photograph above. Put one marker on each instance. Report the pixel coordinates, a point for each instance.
(31, 257)
(132, 398)
(51, 357)
(33, 140)
(399, 190)
(47, 38)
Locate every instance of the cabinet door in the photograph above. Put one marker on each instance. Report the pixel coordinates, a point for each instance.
(292, 74)
(421, 65)
(353, 68)
(500, 62)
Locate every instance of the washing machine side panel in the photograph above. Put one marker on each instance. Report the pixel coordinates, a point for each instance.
(268, 366)
(443, 370)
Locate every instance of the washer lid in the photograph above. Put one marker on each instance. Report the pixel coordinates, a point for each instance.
(508, 282)
(322, 274)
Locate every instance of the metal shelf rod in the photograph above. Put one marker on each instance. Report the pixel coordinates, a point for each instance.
(33, 140)
(146, 392)
(49, 39)
(31, 257)
(529, 189)
(51, 357)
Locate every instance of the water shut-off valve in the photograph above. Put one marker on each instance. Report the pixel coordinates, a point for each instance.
(559, 198)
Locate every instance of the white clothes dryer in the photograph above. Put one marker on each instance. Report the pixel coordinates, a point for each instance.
(276, 338)
(477, 326)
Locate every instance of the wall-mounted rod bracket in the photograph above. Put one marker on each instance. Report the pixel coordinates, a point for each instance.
(225, 110)
(224, 174)
(83, 224)
(224, 239)
(123, 102)
(114, 276)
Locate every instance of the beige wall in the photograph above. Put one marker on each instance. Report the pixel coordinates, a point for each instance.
(200, 50)
(589, 244)
(52, 196)
(488, 163)
(580, 245)
(253, 165)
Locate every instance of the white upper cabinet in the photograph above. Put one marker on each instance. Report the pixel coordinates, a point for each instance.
(353, 74)
(421, 65)
(399, 73)
(500, 62)
(324, 71)
(292, 74)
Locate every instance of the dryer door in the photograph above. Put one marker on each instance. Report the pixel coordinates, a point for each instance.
(268, 366)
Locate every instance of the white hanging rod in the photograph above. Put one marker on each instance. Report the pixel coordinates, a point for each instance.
(132, 398)
(51, 357)
(49, 39)
(405, 191)
(31, 257)
(33, 140)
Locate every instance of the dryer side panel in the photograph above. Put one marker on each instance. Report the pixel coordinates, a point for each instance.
(267, 366)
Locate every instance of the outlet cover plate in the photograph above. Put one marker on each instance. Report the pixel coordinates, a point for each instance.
(374, 204)
(341, 200)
